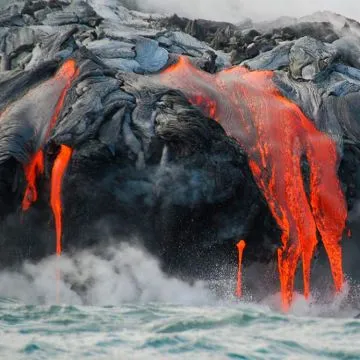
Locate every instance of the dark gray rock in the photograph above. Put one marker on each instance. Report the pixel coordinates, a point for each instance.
(349, 49)
(150, 56)
(310, 57)
(61, 18)
(11, 16)
(112, 49)
(275, 59)
(249, 35)
(251, 51)
(322, 31)
(194, 29)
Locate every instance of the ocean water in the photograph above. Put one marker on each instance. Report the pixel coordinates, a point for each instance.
(164, 331)
(154, 316)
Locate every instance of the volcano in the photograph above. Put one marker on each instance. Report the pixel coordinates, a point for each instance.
(194, 137)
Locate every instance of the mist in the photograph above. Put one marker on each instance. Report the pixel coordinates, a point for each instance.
(127, 274)
(236, 10)
(120, 274)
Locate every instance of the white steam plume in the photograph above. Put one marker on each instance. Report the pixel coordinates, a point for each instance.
(236, 10)
(126, 274)
(123, 274)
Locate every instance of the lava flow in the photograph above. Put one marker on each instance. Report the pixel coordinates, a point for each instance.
(276, 136)
(35, 167)
(66, 74)
(57, 175)
(62, 80)
(240, 246)
(32, 171)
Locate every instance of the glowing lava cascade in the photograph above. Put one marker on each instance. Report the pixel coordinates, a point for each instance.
(32, 170)
(276, 136)
(63, 78)
(57, 175)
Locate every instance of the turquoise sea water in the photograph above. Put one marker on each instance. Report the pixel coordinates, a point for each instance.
(162, 331)
(155, 316)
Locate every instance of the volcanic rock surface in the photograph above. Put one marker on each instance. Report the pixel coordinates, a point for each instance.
(83, 110)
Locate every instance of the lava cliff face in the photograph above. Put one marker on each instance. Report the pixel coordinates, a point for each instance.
(112, 127)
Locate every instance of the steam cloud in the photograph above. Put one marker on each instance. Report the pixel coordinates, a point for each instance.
(122, 274)
(126, 274)
(236, 10)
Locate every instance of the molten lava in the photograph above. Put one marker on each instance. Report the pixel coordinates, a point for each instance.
(32, 171)
(57, 175)
(240, 246)
(65, 75)
(276, 136)
(61, 81)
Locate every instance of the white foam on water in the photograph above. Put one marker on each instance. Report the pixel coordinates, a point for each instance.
(127, 274)
(122, 274)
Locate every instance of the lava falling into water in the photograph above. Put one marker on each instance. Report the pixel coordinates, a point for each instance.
(276, 135)
(57, 175)
(65, 75)
(240, 246)
(63, 78)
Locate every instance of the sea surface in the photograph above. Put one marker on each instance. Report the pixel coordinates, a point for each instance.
(165, 331)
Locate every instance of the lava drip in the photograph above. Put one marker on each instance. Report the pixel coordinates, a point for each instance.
(57, 176)
(32, 171)
(240, 246)
(64, 76)
(276, 136)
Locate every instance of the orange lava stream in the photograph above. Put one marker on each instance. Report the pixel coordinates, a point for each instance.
(276, 135)
(68, 71)
(57, 175)
(66, 74)
(240, 246)
(32, 171)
